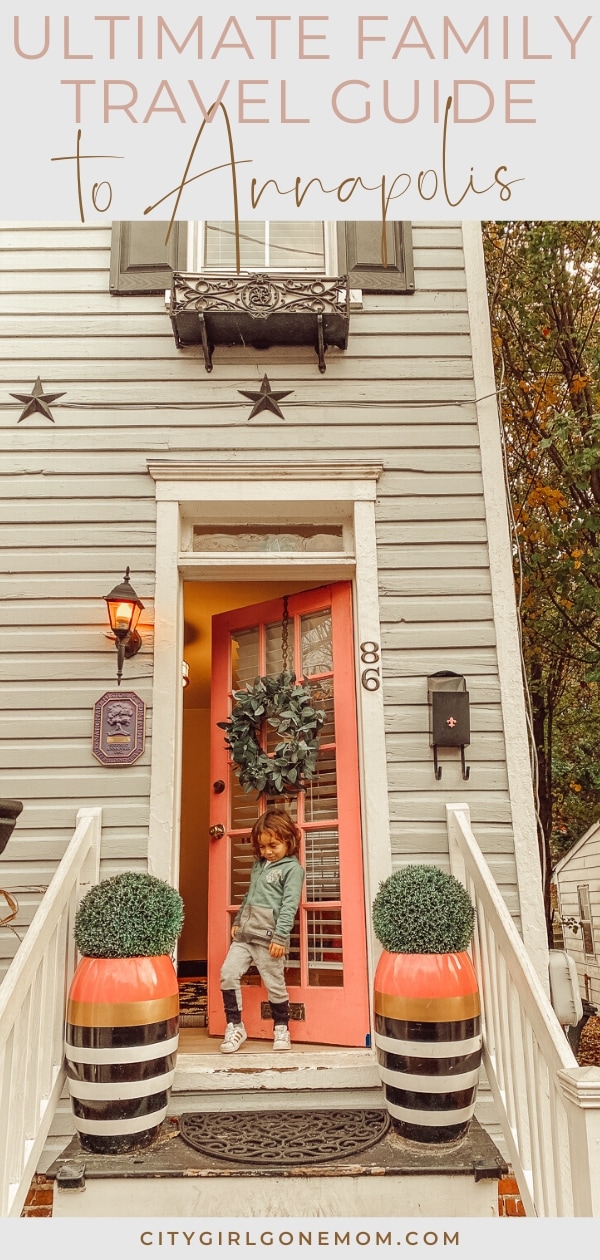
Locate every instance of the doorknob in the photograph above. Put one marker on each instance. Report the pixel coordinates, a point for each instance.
(217, 831)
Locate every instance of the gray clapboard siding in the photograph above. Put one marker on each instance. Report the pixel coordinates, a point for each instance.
(414, 718)
(76, 504)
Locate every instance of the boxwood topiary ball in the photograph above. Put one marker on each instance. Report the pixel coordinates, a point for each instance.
(129, 916)
(422, 910)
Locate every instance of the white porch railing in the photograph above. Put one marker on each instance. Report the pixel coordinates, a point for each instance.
(32, 1011)
(548, 1106)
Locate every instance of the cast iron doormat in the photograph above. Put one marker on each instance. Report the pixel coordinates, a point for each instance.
(283, 1138)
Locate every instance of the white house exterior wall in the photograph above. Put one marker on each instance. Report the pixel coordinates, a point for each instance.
(77, 504)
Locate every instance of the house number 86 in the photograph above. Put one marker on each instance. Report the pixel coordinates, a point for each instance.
(369, 655)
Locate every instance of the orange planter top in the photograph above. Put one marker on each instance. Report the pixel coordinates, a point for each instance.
(112, 980)
(425, 975)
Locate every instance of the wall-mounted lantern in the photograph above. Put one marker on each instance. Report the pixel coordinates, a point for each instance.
(9, 812)
(449, 721)
(124, 610)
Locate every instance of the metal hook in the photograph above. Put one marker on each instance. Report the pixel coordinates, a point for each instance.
(437, 769)
(466, 770)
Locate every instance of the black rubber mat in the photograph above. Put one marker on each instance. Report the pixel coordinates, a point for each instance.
(283, 1138)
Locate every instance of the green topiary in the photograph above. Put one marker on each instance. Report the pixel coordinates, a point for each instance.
(129, 916)
(422, 910)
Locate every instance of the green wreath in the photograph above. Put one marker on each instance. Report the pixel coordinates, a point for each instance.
(288, 707)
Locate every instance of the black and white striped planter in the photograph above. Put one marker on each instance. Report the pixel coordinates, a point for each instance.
(428, 1039)
(122, 1034)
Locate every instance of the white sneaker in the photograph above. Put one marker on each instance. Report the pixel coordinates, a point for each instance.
(281, 1038)
(235, 1036)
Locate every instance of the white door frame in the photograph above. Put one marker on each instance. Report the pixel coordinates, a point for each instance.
(220, 493)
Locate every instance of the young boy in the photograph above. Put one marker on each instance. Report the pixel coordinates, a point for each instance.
(261, 928)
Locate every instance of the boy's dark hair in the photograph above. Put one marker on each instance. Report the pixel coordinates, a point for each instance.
(282, 825)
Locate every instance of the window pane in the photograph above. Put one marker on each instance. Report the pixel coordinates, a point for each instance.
(275, 647)
(244, 657)
(320, 797)
(282, 246)
(317, 651)
(293, 245)
(322, 866)
(324, 929)
(242, 858)
(219, 245)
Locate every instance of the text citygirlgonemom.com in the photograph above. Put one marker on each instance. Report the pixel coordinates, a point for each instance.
(298, 1238)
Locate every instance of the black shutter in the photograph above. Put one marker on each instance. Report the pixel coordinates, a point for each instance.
(141, 262)
(360, 257)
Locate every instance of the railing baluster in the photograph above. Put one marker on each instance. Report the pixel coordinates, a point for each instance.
(549, 1109)
(6, 1059)
(32, 1006)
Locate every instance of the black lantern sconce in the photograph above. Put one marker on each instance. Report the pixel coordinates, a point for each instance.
(449, 720)
(9, 812)
(124, 610)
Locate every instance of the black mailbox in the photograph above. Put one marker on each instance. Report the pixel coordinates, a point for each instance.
(449, 720)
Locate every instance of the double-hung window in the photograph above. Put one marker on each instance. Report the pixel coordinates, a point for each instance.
(290, 246)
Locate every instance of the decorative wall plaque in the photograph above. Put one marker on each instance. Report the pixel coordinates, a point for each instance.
(119, 728)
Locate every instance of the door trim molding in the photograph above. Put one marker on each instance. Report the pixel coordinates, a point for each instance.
(184, 487)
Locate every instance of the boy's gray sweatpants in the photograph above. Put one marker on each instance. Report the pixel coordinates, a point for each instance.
(240, 957)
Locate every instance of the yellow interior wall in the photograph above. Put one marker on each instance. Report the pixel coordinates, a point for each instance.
(202, 600)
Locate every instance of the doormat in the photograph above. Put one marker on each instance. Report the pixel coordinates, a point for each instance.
(285, 1139)
(192, 1003)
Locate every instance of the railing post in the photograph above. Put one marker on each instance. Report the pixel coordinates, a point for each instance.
(580, 1090)
(457, 862)
(90, 869)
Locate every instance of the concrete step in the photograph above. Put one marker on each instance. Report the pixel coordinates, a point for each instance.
(171, 1179)
(250, 1080)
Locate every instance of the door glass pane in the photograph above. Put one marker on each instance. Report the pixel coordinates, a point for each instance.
(274, 647)
(242, 857)
(322, 866)
(320, 798)
(244, 657)
(244, 806)
(322, 696)
(317, 650)
(324, 929)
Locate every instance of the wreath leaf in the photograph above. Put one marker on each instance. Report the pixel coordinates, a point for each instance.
(286, 706)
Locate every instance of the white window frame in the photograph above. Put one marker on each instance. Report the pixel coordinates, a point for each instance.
(195, 249)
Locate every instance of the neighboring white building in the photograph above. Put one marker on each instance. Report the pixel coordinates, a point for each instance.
(577, 880)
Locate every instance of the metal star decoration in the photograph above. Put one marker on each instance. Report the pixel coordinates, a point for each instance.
(265, 399)
(37, 400)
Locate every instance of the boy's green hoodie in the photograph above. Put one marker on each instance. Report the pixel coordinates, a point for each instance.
(269, 908)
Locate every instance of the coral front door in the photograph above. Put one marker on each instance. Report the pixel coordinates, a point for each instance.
(326, 973)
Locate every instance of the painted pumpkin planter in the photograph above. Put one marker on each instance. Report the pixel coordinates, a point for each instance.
(427, 1012)
(122, 1026)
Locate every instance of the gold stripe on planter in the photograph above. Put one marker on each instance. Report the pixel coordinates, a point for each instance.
(122, 1014)
(427, 1010)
